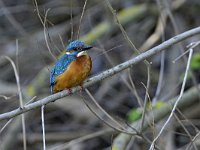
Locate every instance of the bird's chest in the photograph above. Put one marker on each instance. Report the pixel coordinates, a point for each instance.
(76, 73)
(81, 65)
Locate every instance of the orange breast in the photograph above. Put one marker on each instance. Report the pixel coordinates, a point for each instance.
(75, 74)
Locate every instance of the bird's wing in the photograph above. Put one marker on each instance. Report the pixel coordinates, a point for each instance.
(59, 68)
(52, 79)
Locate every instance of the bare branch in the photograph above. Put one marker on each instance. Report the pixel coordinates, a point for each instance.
(177, 101)
(105, 74)
(81, 139)
(43, 127)
(189, 97)
(105, 117)
(20, 96)
(79, 28)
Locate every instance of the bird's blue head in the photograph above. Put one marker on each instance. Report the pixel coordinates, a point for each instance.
(77, 46)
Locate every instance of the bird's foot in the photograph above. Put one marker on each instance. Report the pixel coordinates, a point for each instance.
(81, 89)
(69, 91)
(81, 86)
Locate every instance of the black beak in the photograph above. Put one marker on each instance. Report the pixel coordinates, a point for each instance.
(87, 47)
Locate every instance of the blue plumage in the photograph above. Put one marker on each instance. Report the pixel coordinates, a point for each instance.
(77, 44)
(62, 64)
(60, 67)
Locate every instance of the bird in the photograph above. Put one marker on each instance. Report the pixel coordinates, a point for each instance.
(72, 68)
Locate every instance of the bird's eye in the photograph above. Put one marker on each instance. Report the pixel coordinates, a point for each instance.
(78, 48)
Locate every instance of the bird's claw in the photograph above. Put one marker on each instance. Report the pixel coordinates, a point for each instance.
(81, 86)
(69, 91)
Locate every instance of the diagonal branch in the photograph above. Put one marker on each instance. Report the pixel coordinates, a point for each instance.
(189, 99)
(105, 74)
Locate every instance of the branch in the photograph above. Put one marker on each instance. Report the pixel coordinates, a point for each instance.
(103, 75)
(190, 97)
(121, 141)
(177, 101)
(125, 16)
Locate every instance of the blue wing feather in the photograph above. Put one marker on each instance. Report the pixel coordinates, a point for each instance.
(59, 68)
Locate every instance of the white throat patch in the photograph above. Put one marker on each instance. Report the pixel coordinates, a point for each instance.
(81, 53)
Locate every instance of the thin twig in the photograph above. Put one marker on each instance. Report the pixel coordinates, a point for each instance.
(146, 97)
(189, 97)
(71, 20)
(177, 101)
(105, 51)
(195, 137)
(188, 121)
(10, 120)
(155, 36)
(61, 40)
(111, 121)
(128, 41)
(180, 45)
(138, 98)
(105, 74)
(6, 97)
(13, 118)
(7, 123)
(79, 28)
(192, 45)
(186, 131)
(81, 139)
(45, 35)
(43, 128)
(160, 30)
(161, 75)
(12, 20)
(121, 27)
(17, 55)
(38, 12)
(132, 89)
(44, 26)
(20, 98)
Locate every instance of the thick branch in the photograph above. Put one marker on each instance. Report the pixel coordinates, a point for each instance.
(104, 74)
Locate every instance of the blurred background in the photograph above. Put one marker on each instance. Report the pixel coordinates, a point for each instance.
(34, 33)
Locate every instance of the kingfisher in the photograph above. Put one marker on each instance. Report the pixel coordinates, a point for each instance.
(72, 68)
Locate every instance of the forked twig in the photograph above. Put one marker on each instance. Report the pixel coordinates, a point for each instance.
(111, 121)
(44, 26)
(20, 96)
(105, 74)
(79, 28)
(177, 101)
